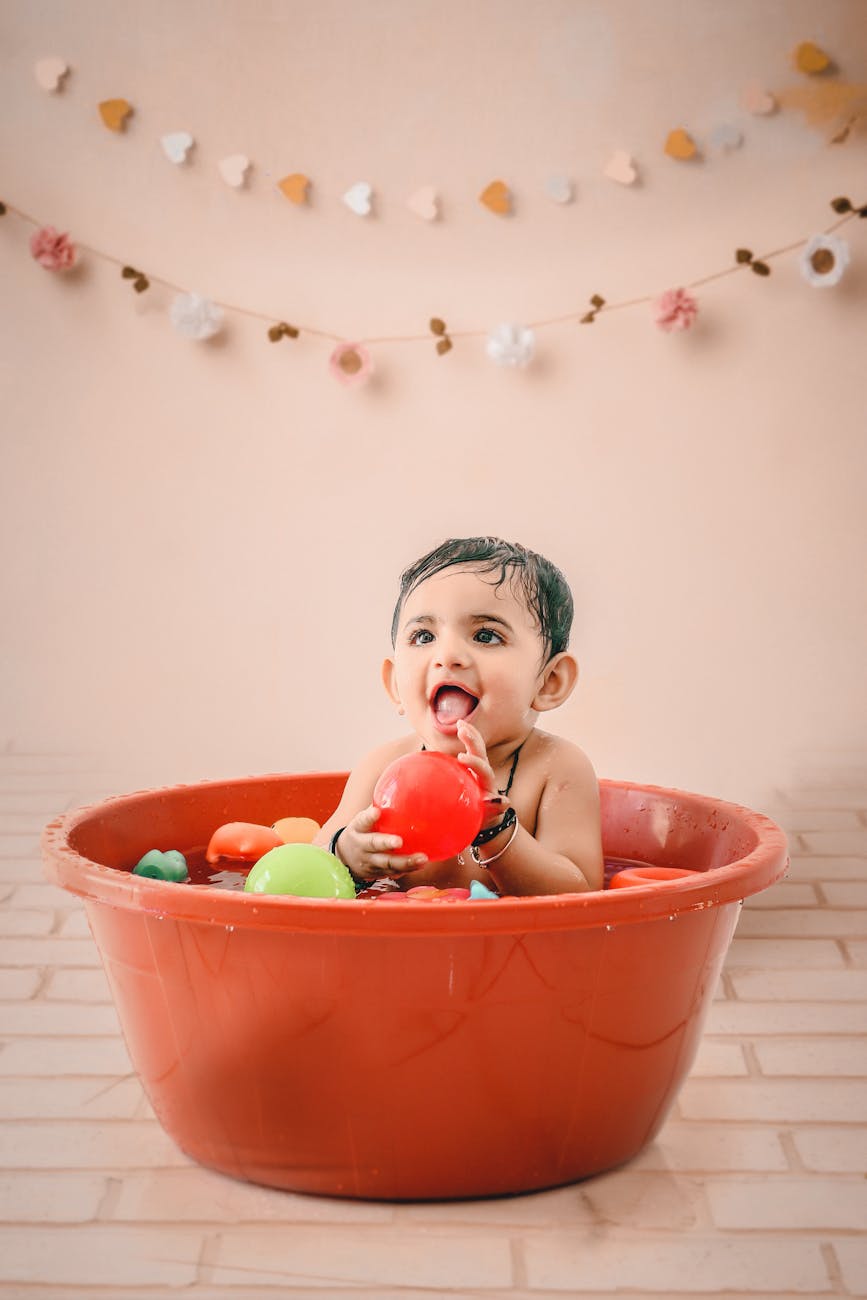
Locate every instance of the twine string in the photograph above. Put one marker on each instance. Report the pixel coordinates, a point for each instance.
(382, 339)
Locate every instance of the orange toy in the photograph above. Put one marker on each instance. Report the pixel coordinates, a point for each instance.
(297, 830)
(632, 876)
(244, 841)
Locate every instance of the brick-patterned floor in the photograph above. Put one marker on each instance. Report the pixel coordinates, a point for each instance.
(756, 1186)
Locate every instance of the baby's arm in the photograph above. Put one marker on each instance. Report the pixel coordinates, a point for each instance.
(565, 853)
(369, 855)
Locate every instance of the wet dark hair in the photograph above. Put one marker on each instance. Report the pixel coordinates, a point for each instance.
(542, 585)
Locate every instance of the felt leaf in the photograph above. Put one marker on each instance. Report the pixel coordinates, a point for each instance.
(295, 187)
(755, 99)
(437, 326)
(621, 168)
(50, 72)
(424, 203)
(114, 113)
(680, 145)
(810, 58)
(176, 145)
(444, 346)
(282, 330)
(725, 137)
(559, 189)
(497, 198)
(743, 255)
(359, 198)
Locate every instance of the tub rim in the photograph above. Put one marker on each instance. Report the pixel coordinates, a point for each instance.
(765, 863)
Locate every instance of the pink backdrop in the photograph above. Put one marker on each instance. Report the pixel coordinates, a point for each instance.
(202, 541)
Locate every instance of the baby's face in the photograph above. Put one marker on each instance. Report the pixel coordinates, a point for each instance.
(466, 650)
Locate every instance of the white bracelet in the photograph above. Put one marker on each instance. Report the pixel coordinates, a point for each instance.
(485, 862)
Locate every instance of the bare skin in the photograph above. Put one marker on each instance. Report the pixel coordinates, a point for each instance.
(469, 673)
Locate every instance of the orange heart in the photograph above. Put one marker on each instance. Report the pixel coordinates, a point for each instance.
(295, 187)
(680, 145)
(114, 113)
(497, 197)
(810, 58)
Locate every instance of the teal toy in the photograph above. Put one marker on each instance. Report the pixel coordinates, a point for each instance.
(480, 892)
(300, 869)
(171, 865)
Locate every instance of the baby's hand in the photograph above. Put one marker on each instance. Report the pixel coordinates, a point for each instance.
(369, 855)
(476, 757)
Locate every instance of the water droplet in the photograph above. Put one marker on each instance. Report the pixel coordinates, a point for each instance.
(609, 928)
(671, 918)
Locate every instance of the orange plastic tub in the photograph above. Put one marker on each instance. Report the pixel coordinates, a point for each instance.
(410, 1051)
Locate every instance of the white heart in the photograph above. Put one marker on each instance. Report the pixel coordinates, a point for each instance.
(559, 188)
(50, 73)
(621, 168)
(234, 169)
(755, 99)
(176, 145)
(725, 137)
(424, 203)
(358, 198)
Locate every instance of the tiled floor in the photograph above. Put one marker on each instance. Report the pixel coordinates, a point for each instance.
(756, 1186)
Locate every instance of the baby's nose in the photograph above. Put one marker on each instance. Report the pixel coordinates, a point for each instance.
(453, 650)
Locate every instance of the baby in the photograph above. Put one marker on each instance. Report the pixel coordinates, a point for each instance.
(480, 635)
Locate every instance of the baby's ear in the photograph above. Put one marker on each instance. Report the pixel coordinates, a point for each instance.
(389, 681)
(559, 677)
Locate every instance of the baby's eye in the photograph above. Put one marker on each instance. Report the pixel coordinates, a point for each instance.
(421, 636)
(487, 636)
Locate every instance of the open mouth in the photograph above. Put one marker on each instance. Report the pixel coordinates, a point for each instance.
(451, 704)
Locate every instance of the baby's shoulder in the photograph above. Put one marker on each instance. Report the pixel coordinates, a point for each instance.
(375, 760)
(556, 760)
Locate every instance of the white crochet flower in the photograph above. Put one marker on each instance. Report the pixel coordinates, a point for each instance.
(824, 260)
(511, 345)
(196, 317)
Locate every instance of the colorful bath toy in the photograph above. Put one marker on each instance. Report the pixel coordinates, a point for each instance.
(159, 865)
(632, 876)
(245, 841)
(479, 892)
(433, 802)
(430, 894)
(300, 869)
(296, 830)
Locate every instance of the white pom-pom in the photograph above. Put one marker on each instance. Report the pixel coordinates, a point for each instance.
(511, 345)
(195, 317)
(824, 260)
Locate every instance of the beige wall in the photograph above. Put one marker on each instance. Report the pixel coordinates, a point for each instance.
(202, 542)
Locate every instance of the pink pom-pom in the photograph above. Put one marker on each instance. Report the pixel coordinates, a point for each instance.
(675, 310)
(54, 251)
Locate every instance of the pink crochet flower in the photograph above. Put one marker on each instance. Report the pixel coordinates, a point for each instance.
(53, 251)
(351, 363)
(675, 310)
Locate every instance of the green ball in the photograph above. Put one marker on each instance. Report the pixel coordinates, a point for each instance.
(171, 865)
(300, 869)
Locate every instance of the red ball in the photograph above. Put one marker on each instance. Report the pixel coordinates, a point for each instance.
(433, 802)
